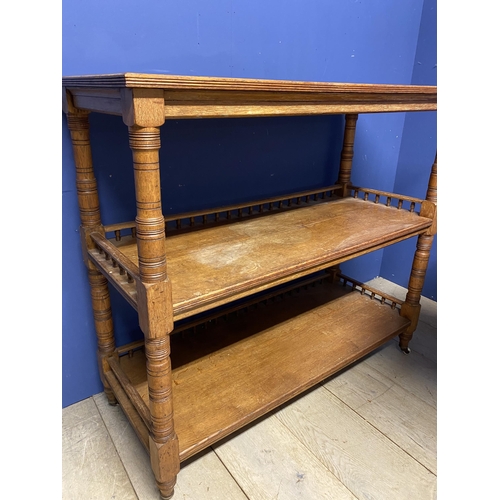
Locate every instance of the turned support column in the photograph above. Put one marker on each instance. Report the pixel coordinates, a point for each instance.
(347, 153)
(411, 307)
(154, 300)
(101, 307)
(90, 217)
(345, 169)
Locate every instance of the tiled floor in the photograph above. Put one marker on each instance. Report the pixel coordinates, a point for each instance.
(367, 433)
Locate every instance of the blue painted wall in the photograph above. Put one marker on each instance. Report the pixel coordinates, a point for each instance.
(418, 147)
(351, 41)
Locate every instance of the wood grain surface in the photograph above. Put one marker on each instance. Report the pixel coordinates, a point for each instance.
(243, 368)
(212, 266)
(211, 97)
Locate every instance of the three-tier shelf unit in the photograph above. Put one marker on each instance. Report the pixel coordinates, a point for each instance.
(266, 311)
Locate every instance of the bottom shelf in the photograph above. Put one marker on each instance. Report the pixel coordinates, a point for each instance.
(238, 369)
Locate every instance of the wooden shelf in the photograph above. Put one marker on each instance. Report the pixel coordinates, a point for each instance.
(213, 266)
(237, 370)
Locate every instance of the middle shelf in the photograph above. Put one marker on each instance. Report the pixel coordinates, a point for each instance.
(216, 265)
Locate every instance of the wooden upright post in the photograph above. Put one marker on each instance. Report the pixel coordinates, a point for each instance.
(154, 296)
(411, 307)
(345, 169)
(347, 153)
(90, 217)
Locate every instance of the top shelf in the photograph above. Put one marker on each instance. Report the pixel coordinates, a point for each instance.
(211, 97)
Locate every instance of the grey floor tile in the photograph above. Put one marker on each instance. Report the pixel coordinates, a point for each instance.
(91, 467)
(201, 478)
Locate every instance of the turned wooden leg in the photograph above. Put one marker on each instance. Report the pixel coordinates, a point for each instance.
(163, 443)
(347, 153)
(90, 216)
(101, 307)
(411, 307)
(333, 273)
(345, 169)
(155, 305)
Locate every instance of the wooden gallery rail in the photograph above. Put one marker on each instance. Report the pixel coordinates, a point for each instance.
(182, 393)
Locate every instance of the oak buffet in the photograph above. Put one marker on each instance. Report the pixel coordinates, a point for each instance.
(193, 382)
